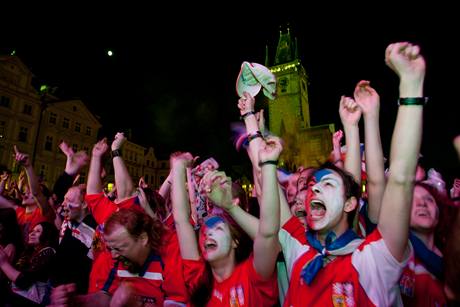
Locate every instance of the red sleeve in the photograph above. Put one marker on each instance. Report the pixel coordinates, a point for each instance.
(267, 288)
(173, 284)
(100, 206)
(194, 273)
(296, 229)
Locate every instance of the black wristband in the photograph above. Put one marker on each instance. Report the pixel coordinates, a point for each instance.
(273, 162)
(242, 117)
(255, 135)
(116, 153)
(412, 101)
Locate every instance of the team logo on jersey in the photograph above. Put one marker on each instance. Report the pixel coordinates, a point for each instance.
(236, 296)
(342, 294)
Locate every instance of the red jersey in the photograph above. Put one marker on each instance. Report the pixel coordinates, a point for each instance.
(366, 277)
(245, 287)
(147, 284)
(419, 287)
(101, 207)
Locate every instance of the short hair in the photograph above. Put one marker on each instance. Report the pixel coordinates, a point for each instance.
(350, 186)
(136, 223)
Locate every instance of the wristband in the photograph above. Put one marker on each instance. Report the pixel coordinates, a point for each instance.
(412, 101)
(243, 117)
(254, 135)
(116, 153)
(272, 162)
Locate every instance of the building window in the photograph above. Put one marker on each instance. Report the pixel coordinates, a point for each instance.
(77, 127)
(86, 148)
(88, 130)
(65, 122)
(162, 179)
(49, 143)
(2, 129)
(146, 178)
(27, 109)
(163, 165)
(75, 147)
(22, 137)
(74, 108)
(53, 117)
(5, 102)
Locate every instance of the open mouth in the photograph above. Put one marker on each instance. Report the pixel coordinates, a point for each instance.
(300, 213)
(317, 208)
(210, 245)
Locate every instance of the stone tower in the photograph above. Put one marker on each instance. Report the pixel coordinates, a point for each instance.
(289, 113)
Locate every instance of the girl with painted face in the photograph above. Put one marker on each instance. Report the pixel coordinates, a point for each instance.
(215, 275)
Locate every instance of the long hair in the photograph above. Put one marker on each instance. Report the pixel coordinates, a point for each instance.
(202, 293)
(136, 223)
(446, 214)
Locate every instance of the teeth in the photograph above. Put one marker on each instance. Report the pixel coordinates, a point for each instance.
(317, 204)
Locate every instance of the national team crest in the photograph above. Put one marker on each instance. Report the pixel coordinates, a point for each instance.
(342, 295)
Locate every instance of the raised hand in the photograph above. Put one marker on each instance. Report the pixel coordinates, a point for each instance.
(218, 188)
(118, 141)
(405, 60)
(21, 158)
(142, 183)
(270, 149)
(337, 138)
(367, 98)
(66, 149)
(100, 148)
(246, 103)
(349, 111)
(178, 158)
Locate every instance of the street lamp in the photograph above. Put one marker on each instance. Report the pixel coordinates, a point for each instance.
(44, 90)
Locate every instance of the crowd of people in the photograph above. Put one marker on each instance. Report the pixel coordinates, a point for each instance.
(347, 233)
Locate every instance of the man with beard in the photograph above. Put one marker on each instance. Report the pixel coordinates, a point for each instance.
(135, 268)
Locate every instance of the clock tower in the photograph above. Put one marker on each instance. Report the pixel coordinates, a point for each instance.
(289, 113)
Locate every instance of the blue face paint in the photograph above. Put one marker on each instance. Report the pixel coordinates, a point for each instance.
(212, 221)
(321, 173)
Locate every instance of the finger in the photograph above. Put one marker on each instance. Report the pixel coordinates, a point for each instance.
(15, 149)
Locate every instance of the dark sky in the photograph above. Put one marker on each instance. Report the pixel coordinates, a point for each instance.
(171, 80)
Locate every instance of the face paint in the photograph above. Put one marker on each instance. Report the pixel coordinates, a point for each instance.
(215, 239)
(321, 173)
(325, 201)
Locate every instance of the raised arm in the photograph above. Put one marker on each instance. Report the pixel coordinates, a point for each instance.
(94, 185)
(254, 135)
(223, 198)
(336, 153)
(350, 113)
(369, 102)
(181, 206)
(405, 60)
(266, 247)
(74, 164)
(34, 184)
(123, 181)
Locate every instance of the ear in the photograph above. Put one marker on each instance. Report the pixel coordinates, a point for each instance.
(144, 238)
(235, 243)
(350, 204)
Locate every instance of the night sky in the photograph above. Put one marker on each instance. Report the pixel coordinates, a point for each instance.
(171, 80)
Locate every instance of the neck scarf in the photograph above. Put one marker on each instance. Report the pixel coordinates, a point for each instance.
(343, 245)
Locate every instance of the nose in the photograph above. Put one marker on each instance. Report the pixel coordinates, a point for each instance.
(114, 253)
(316, 188)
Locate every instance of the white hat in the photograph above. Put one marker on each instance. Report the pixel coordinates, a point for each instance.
(253, 77)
